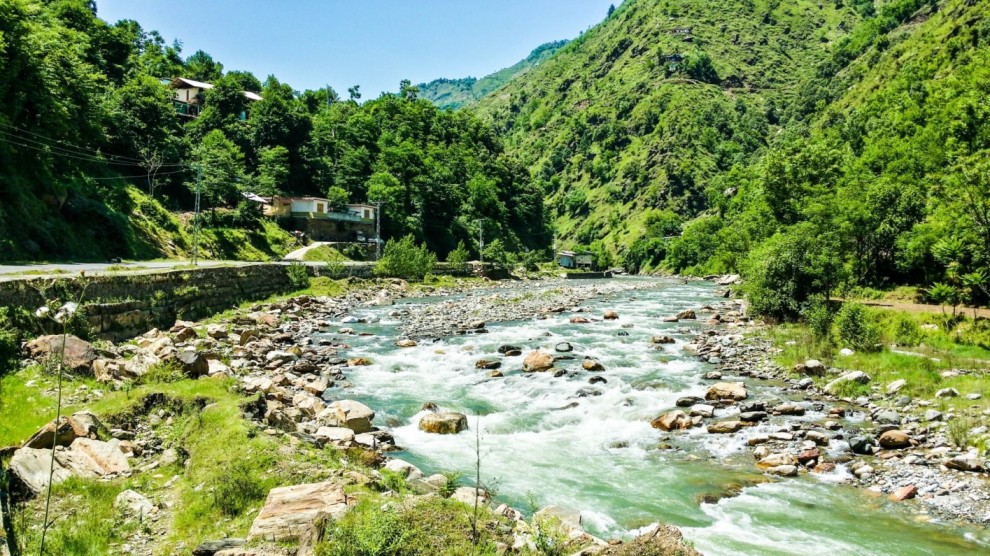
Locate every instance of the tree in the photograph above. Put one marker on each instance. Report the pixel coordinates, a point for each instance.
(458, 258)
(354, 92)
(220, 165)
(202, 67)
(407, 90)
(273, 170)
(338, 198)
(611, 10)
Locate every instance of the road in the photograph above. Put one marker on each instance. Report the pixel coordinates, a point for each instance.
(20, 272)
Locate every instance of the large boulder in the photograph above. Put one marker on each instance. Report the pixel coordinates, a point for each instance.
(348, 414)
(30, 466)
(537, 361)
(193, 363)
(687, 314)
(967, 462)
(673, 420)
(337, 436)
(290, 512)
(81, 425)
(443, 423)
(93, 459)
(133, 504)
(79, 354)
(895, 439)
(858, 377)
(727, 391)
(725, 427)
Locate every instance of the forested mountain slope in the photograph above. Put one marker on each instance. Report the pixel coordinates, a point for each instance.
(629, 126)
(455, 93)
(93, 151)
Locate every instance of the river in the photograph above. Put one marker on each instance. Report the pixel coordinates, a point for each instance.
(601, 456)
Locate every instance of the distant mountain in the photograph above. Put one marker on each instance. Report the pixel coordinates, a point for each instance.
(455, 93)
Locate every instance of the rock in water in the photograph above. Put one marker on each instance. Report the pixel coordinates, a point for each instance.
(673, 420)
(687, 315)
(444, 423)
(79, 354)
(725, 427)
(727, 391)
(904, 493)
(406, 343)
(348, 414)
(592, 365)
(611, 315)
(290, 512)
(538, 361)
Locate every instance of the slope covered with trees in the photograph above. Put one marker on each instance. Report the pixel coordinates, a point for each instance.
(456, 93)
(95, 162)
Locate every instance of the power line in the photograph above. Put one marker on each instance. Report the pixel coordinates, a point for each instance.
(183, 171)
(83, 150)
(52, 149)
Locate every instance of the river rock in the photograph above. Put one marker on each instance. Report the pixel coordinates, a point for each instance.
(887, 417)
(580, 320)
(752, 416)
(592, 365)
(443, 423)
(64, 434)
(933, 415)
(359, 362)
(853, 376)
(895, 439)
(563, 347)
(727, 391)
(661, 340)
(688, 401)
(406, 343)
(348, 414)
(487, 364)
(725, 427)
(79, 354)
(967, 462)
(610, 315)
(703, 410)
(814, 367)
(507, 349)
(904, 493)
(673, 420)
(467, 495)
(776, 460)
(895, 387)
(404, 469)
(861, 445)
(783, 470)
(947, 393)
(687, 314)
(808, 456)
(538, 361)
(290, 512)
(789, 409)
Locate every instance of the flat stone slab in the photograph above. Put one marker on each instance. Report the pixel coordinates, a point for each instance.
(31, 466)
(93, 458)
(290, 512)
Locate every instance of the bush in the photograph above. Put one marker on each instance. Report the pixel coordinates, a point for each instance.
(366, 531)
(404, 259)
(819, 317)
(236, 488)
(856, 328)
(458, 259)
(906, 332)
(9, 341)
(298, 276)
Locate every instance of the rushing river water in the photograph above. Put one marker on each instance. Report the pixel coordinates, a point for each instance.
(601, 456)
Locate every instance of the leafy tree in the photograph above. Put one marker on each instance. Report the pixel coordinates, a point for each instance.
(220, 167)
(404, 259)
(458, 258)
(273, 170)
(202, 67)
(338, 198)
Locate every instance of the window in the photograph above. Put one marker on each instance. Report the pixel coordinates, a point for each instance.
(367, 213)
(319, 207)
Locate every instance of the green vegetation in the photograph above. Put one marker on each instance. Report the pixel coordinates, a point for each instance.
(456, 93)
(324, 254)
(404, 259)
(918, 348)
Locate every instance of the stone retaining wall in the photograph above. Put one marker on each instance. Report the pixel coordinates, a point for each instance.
(119, 306)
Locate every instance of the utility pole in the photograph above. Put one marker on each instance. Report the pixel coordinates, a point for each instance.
(378, 230)
(481, 241)
(199, 179)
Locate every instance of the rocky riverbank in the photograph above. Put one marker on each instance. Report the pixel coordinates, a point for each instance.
(793, 425)
(292, 383)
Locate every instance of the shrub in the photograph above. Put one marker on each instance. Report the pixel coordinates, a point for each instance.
(548, 536)
(959, 430)
(906, 332)
(458, 259)
(819, 317)
(392, 480)
(856, 328)
(236, 488)
(368, 530)
(298, 276)
(404, 259)
(9, 341)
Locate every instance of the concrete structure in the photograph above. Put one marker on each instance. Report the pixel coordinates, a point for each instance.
(572, 259)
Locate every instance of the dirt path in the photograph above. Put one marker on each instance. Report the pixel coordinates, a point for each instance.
(919, 307)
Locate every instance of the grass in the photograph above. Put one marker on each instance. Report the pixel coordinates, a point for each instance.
(921, 365)
(324, 254)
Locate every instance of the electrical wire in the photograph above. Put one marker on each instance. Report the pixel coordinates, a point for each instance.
(67, 154)
(83, 150)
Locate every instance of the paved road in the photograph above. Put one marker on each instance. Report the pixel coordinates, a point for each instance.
(17, 272)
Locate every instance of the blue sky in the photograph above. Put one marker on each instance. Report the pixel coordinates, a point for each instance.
(373, 43)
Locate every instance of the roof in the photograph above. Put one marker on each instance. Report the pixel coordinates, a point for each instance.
(254, 198)
(183, 83)
(359, 205)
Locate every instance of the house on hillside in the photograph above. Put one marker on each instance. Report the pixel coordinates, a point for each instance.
(314, 217)
(573, 259)
(188, 96)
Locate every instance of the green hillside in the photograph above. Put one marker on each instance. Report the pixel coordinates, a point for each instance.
(455, 93)
(651, 109)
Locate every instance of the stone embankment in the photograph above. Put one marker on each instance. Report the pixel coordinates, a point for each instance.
(884, 441)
